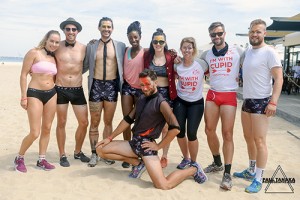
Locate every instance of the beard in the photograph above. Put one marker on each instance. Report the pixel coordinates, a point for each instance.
(218, 42)
(255, 42)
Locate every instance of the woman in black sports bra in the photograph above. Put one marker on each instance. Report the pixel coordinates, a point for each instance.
(39, 98)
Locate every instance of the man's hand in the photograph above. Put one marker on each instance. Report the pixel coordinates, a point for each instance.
(150, 146)
(102, 143)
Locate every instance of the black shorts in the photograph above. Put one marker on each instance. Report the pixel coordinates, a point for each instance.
(136, 146)
(104, 91)
(256, 106)
(164, 91)
(75, 95)
(43, 95)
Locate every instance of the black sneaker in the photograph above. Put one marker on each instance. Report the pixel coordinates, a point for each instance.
(82, 157)
(63, 161)
(125, 165)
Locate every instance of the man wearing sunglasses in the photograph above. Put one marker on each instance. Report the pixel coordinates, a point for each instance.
(224, 63)
(104, 60)
(69, 58)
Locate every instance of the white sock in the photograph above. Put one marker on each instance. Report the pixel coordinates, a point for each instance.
(259, 174)
(252, 166)
(42, 157)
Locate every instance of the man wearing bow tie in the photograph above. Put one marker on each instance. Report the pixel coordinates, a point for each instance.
(69, 58)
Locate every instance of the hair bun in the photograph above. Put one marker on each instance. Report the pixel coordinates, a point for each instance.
(159, 30)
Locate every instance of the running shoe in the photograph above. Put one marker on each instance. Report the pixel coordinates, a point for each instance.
(137, 171)
(94, 160)
(20, 165)
(63, 161)
(226, 183)
(245, 175)
(125, 165)
(185, 163)
(199, 176)
(213, 168)
(82, 157)
(255, 187)
(43, 164)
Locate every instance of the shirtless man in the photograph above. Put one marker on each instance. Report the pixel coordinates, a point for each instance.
(104, 60)
(69, 58)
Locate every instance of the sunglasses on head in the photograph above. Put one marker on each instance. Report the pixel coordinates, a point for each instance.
(160, 42)
(216, 34)
(69, 29)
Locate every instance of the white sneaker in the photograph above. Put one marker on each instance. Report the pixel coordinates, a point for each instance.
(94, 160)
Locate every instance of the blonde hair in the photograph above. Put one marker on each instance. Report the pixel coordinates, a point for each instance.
(193, 42)
(42, 43)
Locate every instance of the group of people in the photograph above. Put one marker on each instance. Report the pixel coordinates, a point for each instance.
(161, 94)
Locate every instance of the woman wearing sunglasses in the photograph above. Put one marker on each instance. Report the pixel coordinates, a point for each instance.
(159, 59)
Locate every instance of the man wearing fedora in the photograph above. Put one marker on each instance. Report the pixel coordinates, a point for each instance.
(104, 60)
(69, 58)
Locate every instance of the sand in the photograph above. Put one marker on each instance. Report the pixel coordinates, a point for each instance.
(112, 182)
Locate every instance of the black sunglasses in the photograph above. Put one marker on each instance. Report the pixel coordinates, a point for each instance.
(216, 34)
(69, 29)
(161, 42)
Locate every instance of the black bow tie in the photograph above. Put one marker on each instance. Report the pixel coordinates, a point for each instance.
(68, 44)
(49, 52)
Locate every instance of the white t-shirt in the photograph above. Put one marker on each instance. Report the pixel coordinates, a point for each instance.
(224, 70)
(257, 78)
(190, 80)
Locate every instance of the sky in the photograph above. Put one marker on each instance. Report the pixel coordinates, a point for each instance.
(24, 23)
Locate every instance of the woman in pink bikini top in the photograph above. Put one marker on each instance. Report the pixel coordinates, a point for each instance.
(39, 97)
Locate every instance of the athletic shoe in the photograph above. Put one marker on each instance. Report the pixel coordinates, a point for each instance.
(107, 161)
(20, 165)
(213, 168)
(82, 157)
(185, 163)
(226, 183)
(125, 165)
(163, 162)
(245, 175)
(63, 161)
(255, 187)
(94, 160)
(137, 171)
(43, 164)
(199, 176)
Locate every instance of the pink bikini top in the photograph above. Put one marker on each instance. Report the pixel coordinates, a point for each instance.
(44, 67)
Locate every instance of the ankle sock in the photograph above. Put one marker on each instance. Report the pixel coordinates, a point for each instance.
(217, 160)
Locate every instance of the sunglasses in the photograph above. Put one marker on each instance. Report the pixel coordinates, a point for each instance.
(69, 29)
(216, 34)
(160, 42)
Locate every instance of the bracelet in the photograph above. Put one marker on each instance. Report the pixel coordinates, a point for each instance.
(273, 104)
(110, 138)
(24, 99)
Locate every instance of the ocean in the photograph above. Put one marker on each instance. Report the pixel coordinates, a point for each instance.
(4, 59)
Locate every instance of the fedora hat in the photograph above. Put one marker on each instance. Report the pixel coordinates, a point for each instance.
(70, 20)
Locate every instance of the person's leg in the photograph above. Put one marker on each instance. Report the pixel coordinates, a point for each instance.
(48, 116)
(127, 102)
(118, 150)
(81, 114)
(211, 118)
(109, 112)
(61, 115)
(159, 180)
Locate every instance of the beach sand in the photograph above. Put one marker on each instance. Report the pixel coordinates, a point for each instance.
(112, 182)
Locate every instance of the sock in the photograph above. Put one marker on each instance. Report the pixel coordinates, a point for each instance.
(42, 157)
(259, 174)
(20, 156)
(227, 168)
(252, 166)
(94, 151)
(217, 160)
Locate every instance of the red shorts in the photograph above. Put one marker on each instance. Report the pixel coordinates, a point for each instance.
(222, 98)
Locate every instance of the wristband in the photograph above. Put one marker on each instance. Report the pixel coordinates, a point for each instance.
(273, 104)
(24, 99)
(110, 138)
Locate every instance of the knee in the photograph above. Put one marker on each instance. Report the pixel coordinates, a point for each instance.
(228, 136)
(260, 143)
(84, 123)
(192, 137)
(100, 152)
(162, 186)
(210, 131)
(61, 123)
(33, 135)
